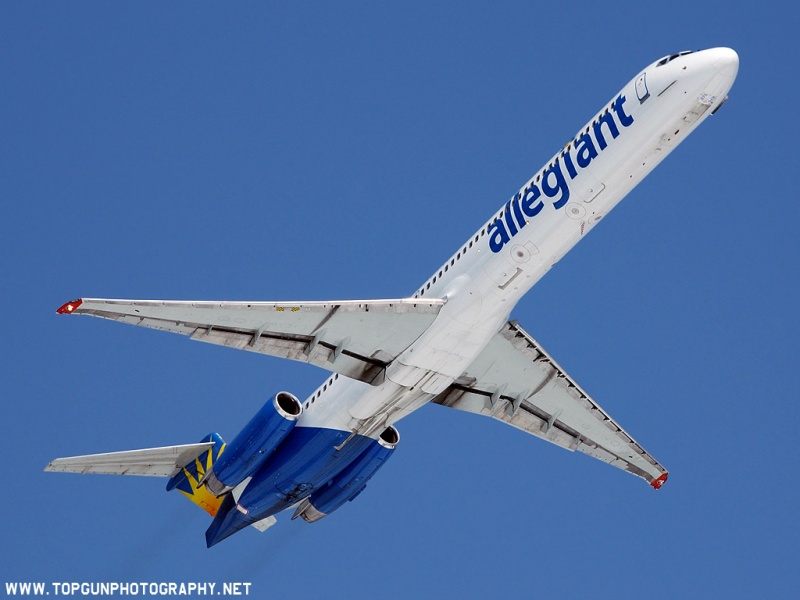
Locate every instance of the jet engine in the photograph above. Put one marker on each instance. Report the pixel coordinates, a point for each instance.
(351, 482)
(254, 444)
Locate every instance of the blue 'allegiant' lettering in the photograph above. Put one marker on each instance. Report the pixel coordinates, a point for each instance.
(518, 209)
(570, 167)
(528, 202)
(512, 227)
(559, 188)
(498, 236)
(626, 120)
(531, 205)
(586, 150)
(608, 119)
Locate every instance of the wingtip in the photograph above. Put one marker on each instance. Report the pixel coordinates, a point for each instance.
(52, 466)
(657, 483)
(69, 307)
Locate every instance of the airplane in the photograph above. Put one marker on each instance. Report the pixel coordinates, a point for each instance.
(451, 343)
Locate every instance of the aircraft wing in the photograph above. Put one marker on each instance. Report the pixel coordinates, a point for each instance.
(515, 381)
(152, 462)
(354, 338)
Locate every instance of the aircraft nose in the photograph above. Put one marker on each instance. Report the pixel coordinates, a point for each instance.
(716, 70)
(725, 61)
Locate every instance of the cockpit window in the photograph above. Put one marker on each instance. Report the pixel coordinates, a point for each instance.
(672, 57)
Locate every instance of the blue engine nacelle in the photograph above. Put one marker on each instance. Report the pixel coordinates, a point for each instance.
(254, 444)
(351, 482)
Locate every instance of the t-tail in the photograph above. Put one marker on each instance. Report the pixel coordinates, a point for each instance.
(190, 480)
(210, 473)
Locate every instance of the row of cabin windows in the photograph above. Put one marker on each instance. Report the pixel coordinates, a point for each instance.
(442, 271)
(590, 126)
(565, 150)
(323, 389)
(536, 180)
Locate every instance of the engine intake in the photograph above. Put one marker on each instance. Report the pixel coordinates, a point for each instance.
(254, 444)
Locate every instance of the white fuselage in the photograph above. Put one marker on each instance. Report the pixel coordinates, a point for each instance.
(490, 272)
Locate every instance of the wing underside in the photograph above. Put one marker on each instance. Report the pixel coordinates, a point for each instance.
(515, 381)
(354, 338)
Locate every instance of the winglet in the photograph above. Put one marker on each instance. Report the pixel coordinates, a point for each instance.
(657, 483)
(70, 307)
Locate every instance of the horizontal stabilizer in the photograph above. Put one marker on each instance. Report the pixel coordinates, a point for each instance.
(153, 462)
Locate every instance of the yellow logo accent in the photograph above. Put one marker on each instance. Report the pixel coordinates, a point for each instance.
(200, 494)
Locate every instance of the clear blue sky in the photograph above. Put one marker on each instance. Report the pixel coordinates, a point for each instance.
(260, 152)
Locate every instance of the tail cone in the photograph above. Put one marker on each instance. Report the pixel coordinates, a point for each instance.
(228, 521)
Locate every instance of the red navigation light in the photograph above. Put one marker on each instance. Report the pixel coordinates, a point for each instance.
(69, 307)
(660, 481)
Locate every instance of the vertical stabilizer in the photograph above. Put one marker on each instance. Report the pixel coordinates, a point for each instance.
(188, 480)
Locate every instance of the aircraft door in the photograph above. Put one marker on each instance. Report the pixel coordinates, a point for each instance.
(641, 88)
